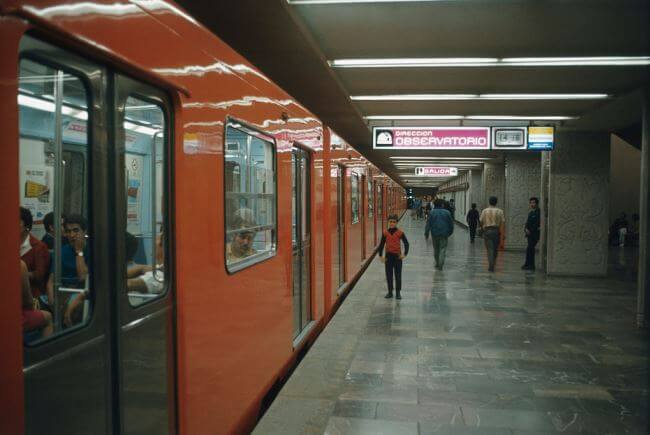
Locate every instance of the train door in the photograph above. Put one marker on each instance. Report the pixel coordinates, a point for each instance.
(340, 205)
(301, 238)
(96, 358)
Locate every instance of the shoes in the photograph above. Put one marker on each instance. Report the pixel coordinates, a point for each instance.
(399, 296)
(389, 295)
(526, 267)
(490, 269)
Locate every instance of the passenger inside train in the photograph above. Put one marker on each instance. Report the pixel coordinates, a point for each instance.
(33, 253)
(33, 318)
(143, 278)
(241, 245)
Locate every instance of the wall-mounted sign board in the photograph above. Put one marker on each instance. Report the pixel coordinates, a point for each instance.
(540, 138)
(509, 138)
(431, 138)
(436, 171)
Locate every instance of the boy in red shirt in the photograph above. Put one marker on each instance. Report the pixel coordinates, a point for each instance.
(392, 238)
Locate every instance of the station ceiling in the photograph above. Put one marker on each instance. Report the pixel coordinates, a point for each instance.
(297, 42)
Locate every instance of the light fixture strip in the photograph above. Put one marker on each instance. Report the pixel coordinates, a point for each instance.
(469, 117)
(477, 97)
(491, 62)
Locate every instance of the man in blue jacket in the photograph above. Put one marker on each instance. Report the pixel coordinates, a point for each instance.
(440, 225)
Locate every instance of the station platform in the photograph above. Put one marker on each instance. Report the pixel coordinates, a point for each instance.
(471, 352)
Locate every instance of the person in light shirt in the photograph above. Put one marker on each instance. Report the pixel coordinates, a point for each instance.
(492, 224)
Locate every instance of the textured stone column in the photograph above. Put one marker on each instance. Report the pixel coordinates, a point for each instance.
(494, 179)
(476, 189)
(643, 299)
(543, 203)
(579, 204)
(523, 180)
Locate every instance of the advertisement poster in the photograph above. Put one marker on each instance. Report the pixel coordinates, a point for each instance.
(36, 190)
(540, 138)
(133, 164)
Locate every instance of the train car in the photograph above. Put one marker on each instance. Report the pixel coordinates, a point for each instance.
(196, 226)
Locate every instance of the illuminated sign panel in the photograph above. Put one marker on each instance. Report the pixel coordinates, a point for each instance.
(509, 138)
(540, 138)
(436, 171)
(431, 138)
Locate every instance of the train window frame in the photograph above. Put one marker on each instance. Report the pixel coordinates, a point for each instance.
(355, 193)
(260, 257)
(87, 200)
(164, 105)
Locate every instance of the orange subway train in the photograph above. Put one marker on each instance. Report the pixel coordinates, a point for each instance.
(186, 228)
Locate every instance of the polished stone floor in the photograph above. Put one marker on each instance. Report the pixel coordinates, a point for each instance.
(470, 352)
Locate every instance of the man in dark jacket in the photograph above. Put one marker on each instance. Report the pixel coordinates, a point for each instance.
(472, 222)
(440, 225)
(532, 233)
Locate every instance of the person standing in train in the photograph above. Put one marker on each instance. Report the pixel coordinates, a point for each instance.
(472, 222)
(440, 225)
(392, 239)
(34, 253)
(492, 223)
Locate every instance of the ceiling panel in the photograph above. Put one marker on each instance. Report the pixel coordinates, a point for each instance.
(529, 108)
(376, 81)
(471, 28)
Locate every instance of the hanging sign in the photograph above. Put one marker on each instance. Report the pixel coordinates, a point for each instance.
(438, 138)
(540, 138)
(436, 171)
(509, 138)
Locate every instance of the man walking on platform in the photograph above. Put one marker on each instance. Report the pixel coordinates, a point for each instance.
(532, 233)
(472, 222)
(440, 225)
(492, 222)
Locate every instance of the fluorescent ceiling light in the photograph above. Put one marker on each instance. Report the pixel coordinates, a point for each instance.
(474, 117)
(438, 158)
(457, 97)
(337, 2)
(520, 118)
(413, 117)
(490, 61)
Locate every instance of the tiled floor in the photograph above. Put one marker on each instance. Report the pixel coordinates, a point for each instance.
(470, 352)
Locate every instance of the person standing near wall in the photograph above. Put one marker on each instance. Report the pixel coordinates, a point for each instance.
(440, 225)
(472, 222)
(492, 222)
(532, 233)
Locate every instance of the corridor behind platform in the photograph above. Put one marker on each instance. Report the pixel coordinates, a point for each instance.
(472, 352)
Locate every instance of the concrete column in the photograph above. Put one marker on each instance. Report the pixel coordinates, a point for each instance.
(494, 180)
(475, 189)
(523, 175)
(578, 204)
(643, 300)
(543, 203)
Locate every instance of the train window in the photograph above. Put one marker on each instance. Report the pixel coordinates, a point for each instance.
(354, 197)
(144, 167)
(379, 201)
(371, 202)
(250, 197)
(53, 181)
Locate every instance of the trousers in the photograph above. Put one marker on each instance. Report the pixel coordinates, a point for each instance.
(530, 250)
(393, 264)
(439, 250)
(472, 231)
(492, 237)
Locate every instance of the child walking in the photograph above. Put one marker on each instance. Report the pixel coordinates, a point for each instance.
(392, 239)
